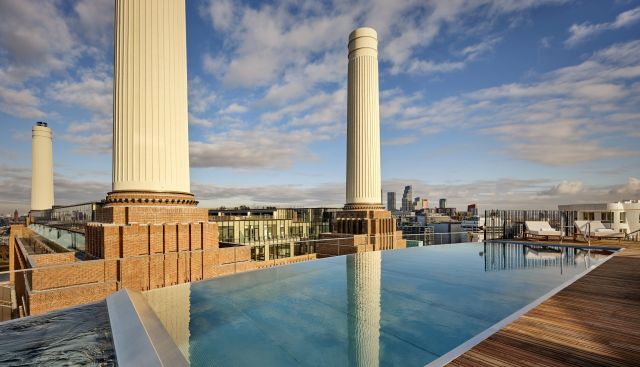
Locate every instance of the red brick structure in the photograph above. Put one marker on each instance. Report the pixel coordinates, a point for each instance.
(119, 255)
(361, 230)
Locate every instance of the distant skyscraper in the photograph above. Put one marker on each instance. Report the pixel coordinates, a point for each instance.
(407, 199)
(41, 167)
(443, 203)
(16, 216)
(391, 201)
(417, 203)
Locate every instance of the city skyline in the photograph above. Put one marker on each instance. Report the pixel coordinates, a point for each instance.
(537, 108)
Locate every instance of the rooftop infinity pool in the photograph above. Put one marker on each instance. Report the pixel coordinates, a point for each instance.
(401, 307)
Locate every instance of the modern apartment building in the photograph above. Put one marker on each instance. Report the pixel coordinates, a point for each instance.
(622, 216)
(272, 233)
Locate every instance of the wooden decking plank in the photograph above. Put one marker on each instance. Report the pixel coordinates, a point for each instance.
(593, 322)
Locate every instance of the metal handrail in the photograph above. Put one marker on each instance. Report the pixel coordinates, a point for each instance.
(628, 235)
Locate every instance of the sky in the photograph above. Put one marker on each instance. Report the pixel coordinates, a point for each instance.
(507, 104)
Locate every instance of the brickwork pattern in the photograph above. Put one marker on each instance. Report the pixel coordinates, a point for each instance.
(376, 227)
(137, 247)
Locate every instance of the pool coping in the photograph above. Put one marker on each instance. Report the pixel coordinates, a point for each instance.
(478, 338)
(139, 337)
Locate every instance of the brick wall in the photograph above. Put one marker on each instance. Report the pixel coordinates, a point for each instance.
(51, 259)
(77, 273)
(45, 301)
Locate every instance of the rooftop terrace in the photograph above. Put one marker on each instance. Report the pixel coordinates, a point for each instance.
(592, 322)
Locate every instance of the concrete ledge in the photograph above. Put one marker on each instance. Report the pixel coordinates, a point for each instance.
(138, 335)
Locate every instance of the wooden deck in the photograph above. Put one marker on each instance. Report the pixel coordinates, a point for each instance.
(593, 322)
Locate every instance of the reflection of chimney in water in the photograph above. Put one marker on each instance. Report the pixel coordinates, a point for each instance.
(363, 295)
(172, 305)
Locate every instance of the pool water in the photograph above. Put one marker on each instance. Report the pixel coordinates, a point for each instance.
(77, 336)
(402, 307)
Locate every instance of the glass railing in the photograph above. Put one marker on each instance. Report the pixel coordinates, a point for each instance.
(68, 239)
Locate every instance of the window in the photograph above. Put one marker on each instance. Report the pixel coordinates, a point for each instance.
(588, 216)
(623, 217)
(606, 217)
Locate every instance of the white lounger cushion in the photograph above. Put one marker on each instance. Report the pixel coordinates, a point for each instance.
(612, 234)
(549, 232)
(604, 230)
(535, 226)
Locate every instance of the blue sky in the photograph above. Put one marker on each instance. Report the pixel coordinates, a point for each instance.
(509, 104)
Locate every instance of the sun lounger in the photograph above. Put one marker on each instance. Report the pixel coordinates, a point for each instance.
(597, 231)
(540, 229)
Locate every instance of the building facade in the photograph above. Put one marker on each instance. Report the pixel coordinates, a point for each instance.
(391, 201)
(622, 216)
(407, 199)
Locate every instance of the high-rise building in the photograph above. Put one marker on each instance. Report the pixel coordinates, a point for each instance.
(391, 201)
(407, 199)
(443, 203)
(16, 216)
(41, 167)
(417, 203)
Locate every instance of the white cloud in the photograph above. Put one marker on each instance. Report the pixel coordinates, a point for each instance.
(500, 193)
(630, 190)
(95, 18)
(15, 184)
(94, 143)
(35, 38)
(234, 108)
(215, 66)
(402, 140)
(267, 42)
(221, 12)
(195, 120)
(102, 125)
(255, 148)
(93, 91)
(584, 31)
(565, 188)
(21, 103)
(201, 96)
(567, 116)
(430, 67)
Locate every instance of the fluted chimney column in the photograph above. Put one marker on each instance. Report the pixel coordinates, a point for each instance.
(363, 122)
(41, 167)
(150, 128)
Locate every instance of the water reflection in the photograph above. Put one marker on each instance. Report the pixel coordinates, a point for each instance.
(508, 256)
(173, 307)
(363, 297)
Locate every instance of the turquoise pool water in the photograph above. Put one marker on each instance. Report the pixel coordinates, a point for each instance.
(403, 307)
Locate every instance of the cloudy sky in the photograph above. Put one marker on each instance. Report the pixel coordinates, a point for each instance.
(509, 104)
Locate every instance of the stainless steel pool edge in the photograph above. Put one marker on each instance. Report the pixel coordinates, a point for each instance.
(462, 348)
(139, 337)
